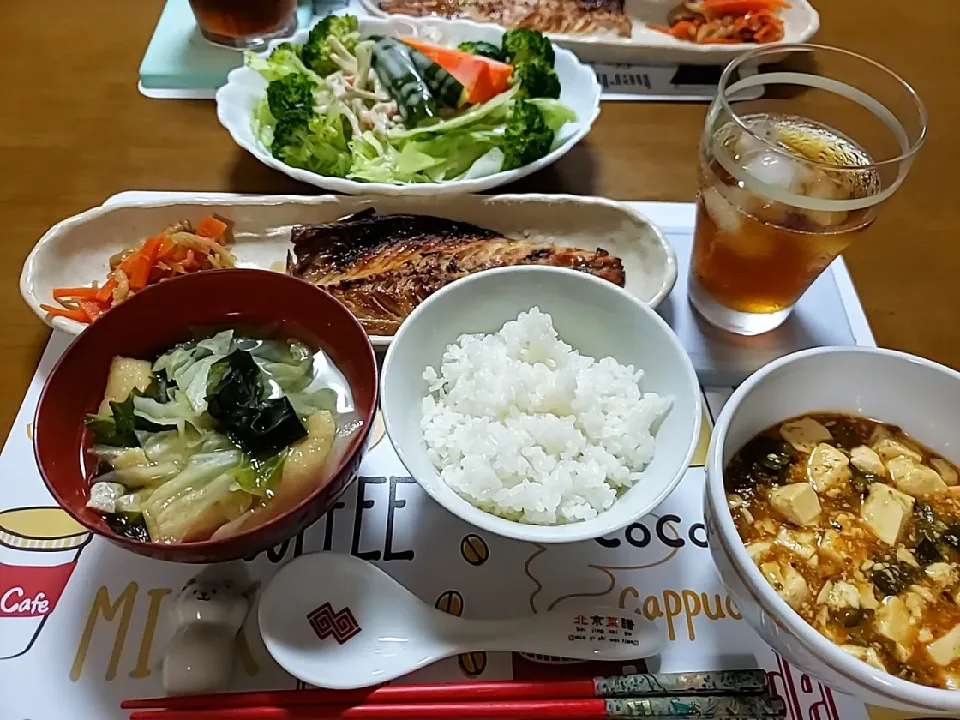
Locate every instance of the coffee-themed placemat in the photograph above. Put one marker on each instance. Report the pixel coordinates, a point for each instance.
(84, 624)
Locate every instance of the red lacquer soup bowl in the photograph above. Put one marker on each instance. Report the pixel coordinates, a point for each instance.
(171, 312)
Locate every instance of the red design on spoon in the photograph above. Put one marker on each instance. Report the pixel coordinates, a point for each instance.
(341, 625)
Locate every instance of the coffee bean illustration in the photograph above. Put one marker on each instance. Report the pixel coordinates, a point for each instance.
(474, 550)
(450, 602)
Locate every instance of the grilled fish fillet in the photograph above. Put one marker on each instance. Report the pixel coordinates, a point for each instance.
(382, 266)
(556, 16)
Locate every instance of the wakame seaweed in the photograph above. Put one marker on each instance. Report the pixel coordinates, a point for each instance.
(236, 401)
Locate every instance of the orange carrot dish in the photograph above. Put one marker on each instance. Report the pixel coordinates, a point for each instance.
(178, 250)
(726, 22)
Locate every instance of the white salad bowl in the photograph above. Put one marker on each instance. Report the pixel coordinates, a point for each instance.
(595, 317)
(579, 91)
(918, 395)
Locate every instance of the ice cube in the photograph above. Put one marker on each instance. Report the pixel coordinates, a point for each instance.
(772, 168)
(745, 238)
(819, 185)
(722, 213)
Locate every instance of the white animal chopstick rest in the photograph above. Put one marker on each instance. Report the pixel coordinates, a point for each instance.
(207, 613)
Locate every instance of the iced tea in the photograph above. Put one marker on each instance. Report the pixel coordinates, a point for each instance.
(244, 23)
(757, 255)
(789, 176)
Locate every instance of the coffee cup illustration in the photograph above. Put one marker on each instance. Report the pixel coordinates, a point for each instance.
(39, 547)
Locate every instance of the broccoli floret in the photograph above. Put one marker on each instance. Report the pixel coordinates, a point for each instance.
(291, 95)
(484, 49)
(316, 53)
(526, 137)
(523, 45)
(312, 143)
(284, 50)
(536, 80)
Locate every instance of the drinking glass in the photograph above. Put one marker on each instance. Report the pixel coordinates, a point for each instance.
(788, 181)
(245, 24)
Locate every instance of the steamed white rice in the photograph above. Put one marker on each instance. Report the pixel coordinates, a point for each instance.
(525, 427)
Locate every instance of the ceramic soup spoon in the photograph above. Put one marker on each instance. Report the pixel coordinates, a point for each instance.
(335, 621)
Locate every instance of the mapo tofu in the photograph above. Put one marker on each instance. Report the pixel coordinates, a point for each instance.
(857, 527)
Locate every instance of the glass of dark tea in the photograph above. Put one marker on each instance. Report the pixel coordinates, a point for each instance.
(789, 180)
(245, 24)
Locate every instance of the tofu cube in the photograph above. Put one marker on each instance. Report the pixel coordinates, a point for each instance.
(866, 460)
(915, 479)
(832, 546)
(805, 434)
(801, 542)
(796, 503)
(868, 598)
(885, 512)
(946, 649)
(888, 449)
(756, 549)
(946, 471)
(893, 620)
(828, 469)
(866, 654)
(788, 583)
(944, 575)
(104, 496)
(839, 596)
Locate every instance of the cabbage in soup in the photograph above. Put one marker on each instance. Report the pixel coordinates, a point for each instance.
(857, 527)
(216, 436)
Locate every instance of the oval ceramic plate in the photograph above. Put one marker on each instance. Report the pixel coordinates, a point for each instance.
(580, 91)
(801, 23)
(76, 251)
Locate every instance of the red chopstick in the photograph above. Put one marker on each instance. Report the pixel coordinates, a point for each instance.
(401, 694)
(567, 709)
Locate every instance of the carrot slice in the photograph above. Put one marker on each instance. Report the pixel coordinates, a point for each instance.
(481, 77)
(72, 313)
(739, 7)
(92, 308)
(105, 294)
(75, 292)
(166, 245)
(211, 227)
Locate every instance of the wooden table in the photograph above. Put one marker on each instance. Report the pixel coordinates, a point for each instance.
(75, 130)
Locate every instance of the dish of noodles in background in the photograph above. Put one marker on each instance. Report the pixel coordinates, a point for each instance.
(179, 250)
(725, 22)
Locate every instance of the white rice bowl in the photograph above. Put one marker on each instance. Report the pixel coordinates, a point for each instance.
(523, 426)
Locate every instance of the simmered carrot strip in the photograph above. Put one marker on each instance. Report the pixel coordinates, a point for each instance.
(75, 292)
(211, 227)
(105, 294)
(740, 7)
(92, 308)
(72, 313)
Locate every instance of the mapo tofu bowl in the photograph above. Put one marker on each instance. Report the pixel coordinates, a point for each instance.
(208, 417)
(833, 514)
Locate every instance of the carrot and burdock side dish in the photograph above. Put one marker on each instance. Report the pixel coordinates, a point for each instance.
(178, 250)
(726, 22)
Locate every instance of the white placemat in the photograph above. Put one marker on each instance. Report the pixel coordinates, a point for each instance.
(96, 634)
